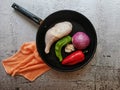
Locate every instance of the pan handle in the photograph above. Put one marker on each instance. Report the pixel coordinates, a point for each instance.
(27, 13)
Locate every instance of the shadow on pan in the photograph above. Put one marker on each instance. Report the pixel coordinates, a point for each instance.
(79, 22)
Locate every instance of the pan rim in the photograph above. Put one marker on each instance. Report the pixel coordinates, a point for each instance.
(93, 52)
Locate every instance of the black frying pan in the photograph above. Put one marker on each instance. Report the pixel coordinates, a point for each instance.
(79, 22)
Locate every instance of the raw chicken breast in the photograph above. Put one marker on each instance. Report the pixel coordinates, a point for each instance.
(58, 31)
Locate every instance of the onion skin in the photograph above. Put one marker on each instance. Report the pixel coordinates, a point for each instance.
(80, 40)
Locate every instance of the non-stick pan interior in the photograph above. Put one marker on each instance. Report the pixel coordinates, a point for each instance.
(80, 23)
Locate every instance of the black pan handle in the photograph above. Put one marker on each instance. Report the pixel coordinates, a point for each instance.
(27, 13)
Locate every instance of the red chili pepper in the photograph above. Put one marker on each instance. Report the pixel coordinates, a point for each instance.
(74, 58)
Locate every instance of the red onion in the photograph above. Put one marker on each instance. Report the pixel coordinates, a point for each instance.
(80, 40)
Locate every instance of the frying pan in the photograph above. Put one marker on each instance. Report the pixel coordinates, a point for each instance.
(79, 22)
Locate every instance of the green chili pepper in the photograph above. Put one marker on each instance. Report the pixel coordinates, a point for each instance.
(58, 47)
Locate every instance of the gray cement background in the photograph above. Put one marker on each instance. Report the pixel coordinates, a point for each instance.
(102, 73)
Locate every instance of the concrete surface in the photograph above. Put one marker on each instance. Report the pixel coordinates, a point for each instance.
(102, 73)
